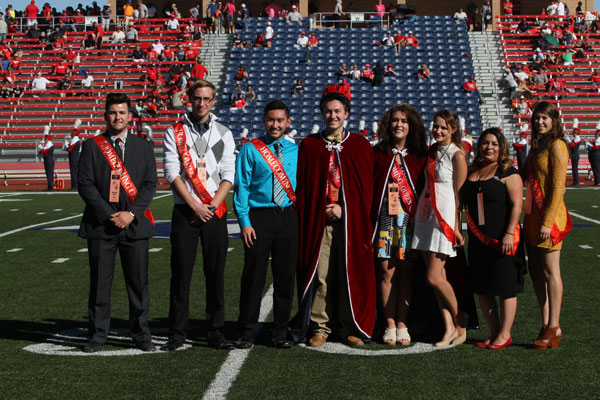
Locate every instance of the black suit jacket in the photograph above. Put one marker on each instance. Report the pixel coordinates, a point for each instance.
(94, 187)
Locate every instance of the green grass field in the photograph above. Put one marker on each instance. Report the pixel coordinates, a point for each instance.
(40, 298)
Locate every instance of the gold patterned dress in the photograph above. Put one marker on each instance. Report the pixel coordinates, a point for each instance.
(550, 171)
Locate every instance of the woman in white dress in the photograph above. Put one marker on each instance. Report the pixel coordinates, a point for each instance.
(438, 219)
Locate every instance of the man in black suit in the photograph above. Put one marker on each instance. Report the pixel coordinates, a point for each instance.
(125, 163)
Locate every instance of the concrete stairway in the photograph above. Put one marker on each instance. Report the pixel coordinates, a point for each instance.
(215, 54)
(488, 65)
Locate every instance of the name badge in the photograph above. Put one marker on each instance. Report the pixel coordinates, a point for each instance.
(425, 208)
(393, 199)
(201, 169)
(115, 186)
(528, 201)
(480, 209)
(334, 193)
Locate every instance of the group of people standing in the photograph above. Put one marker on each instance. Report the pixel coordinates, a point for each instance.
(349, 223)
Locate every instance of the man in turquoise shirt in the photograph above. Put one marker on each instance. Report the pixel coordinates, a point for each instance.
(264, 197)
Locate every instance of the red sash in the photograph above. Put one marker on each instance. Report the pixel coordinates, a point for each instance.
(115, 162)
(555, 233)
(430, 171)
(276, 167)
(406, 193)
(491, 242)
(186, 159)
(334, 177)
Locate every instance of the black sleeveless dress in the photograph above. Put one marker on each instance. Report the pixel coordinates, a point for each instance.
(491, 272)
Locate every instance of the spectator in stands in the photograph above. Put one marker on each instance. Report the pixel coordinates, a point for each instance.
(552, 8)
(172, 24)
(424, 72)
(302, 40)
(78, 21)
(338, 14)
(5, 91)
(237, 42)
(3, 27)
(87, 83)
(180, 54)
(199, 71)
(249, 94)
(486, 14)
(556, 85)
(39, 83)
(523, 26)
(243, 15)
(31, 12)
(378, 74)
(140, 109)
(411, 40)
(508, 8)
(138, 55)
(471, 87)
(523, 107)
(595, 79)
(229, 15)
(540, 78)
(342, 72)
(106, 15)
(167, 54)
(387, 41)
(269, 34)
(399, 40)
(191, 53)
(90, 41)
(389, 71)
(33, 32)
(131, 34)
(66, 83)
(237, 100)
(241, 74)
(212, 15)
(178, 99)
(172, 10)
(15, 62)
(294, 16)
(567, 57)
(142, 10)
(355, 73)
(460, 16)
(312, 40)
(118, 36)
(157, 46)
(61, 68)
(367, 74)
(128, 12)
(298, 87)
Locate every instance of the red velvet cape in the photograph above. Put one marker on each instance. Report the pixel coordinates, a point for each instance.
(383, 168)
(356, 167)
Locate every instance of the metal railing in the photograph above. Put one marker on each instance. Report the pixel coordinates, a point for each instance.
(352, 19)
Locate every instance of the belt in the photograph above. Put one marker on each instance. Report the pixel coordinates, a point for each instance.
(274, 210)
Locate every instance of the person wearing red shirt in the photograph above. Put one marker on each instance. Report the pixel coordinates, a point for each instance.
(70, 54)
(15, 62)
(399, 41)
(312, 40)
(555, 85)
(508, 8)
(61, 68)
(99, 34)
(190, 53)
(31, 12)
(167, 54)
(596, 79)
(59, 43)
(411, 40)
(78, 21)
(199, 71)
(471, 86)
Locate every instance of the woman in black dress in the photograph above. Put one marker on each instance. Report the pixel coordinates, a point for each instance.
(492, 197)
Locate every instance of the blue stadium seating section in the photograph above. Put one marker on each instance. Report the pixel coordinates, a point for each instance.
(444, 47)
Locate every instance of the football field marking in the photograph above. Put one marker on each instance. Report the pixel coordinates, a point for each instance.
(584, 218)
(235, 360)
(60, 260)
(84, 250)
(585, 246)
(14, 250)
(40, 224)
(155, 250)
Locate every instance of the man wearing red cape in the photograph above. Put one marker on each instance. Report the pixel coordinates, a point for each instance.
(336, 275)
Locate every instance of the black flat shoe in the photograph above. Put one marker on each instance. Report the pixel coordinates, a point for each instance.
(92, 347)
(146, 346)
(243, 344)
(220, 344)
(282, 344)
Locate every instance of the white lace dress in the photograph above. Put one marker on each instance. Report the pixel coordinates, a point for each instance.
(428, 235)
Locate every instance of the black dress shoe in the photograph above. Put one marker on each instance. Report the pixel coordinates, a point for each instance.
(282, 344)
(92, 347)
(172, 345)
(145, 346)
(220, 343)
(243, 343)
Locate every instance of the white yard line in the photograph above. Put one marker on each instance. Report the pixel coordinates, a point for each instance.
(235, 360)
(584, 218)
(40, 224)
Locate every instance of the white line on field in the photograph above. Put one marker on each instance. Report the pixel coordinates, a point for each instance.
(84, 250)
(60, 260)
(41, 213)
(584, 218)
(14, 209)
(155, 250)
(40, 224)
(14, 250)
(57, 209)
(233, 364)
(585, 246)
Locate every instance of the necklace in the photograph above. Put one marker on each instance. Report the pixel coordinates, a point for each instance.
(480, 179)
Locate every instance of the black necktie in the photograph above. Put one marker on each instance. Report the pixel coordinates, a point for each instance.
(119, 148)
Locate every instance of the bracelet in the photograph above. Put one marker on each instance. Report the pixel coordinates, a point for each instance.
(132, 214)
(509, 234)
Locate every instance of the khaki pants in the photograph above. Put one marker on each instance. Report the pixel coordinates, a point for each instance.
(330, 301)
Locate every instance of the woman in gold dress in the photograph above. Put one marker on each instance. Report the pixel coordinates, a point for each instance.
(546, 218)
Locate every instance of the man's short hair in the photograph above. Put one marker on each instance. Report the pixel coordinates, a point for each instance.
(200, 83)
(117, 98)
(277, 105)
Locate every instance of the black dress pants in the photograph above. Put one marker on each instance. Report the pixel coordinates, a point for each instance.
(134, 259)
(276, 236)
(49, 168)
(184, 246)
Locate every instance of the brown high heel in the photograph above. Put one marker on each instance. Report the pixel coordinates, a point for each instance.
(549, 339)
(539, 336)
